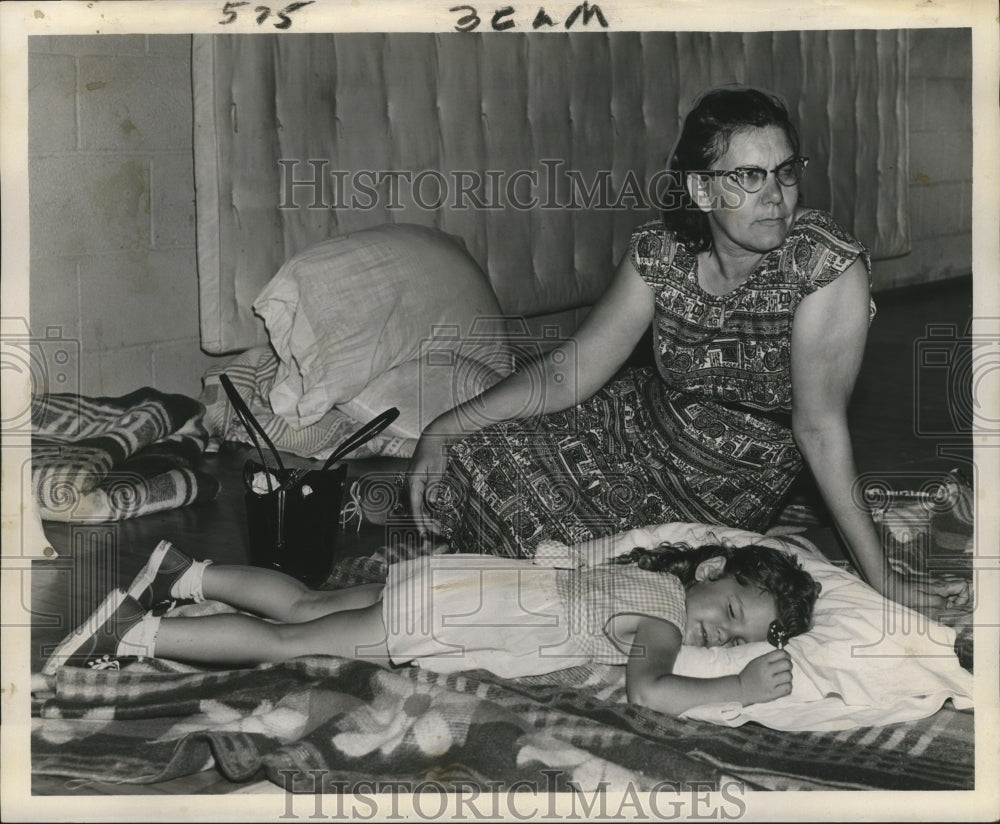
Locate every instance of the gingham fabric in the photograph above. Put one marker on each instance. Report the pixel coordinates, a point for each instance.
(594, 595)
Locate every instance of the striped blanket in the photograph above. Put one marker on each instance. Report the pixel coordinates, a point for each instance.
(319, 723)
(108, 459)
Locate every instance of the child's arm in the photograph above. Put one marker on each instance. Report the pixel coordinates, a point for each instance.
(649, 678)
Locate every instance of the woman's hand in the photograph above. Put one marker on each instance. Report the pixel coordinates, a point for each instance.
(933, 598)
(424, 474)
(766, 678)
(571, 373)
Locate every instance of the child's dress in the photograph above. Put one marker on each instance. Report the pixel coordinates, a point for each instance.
(465, 611)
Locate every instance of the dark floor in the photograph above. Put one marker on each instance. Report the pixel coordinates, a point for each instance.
(912, 406)
(907, 422)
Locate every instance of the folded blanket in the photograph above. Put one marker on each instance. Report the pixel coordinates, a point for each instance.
(108, 459)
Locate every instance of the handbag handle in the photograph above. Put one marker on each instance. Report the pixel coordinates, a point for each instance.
(363, 435)
(250, 423)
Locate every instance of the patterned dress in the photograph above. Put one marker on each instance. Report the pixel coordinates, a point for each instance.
(705, 436)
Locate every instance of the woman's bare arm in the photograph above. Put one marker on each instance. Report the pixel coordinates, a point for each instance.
(828, 341)
(566, 376)
(574, 370)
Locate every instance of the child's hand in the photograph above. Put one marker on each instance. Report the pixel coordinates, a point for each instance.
(766, 678)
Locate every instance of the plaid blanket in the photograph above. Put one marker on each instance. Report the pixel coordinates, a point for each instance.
(319, 723)
(927, 535)
(930, 538)
(108, 459)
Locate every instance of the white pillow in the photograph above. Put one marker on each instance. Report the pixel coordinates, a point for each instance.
(343, 313)
(866, 661)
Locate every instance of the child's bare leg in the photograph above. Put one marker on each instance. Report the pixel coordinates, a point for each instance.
(244, 639)
(275, 595)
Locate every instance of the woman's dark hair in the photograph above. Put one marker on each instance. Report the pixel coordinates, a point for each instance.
(717, 115)
(771, 570)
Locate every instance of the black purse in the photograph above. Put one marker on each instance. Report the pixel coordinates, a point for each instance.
(293, 515)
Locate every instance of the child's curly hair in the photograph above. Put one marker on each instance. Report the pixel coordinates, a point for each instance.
(773, 571)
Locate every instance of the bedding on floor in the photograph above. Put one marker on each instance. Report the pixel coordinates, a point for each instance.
(142, 721)
(931, 539)
(865, 661)
(112, 458)
(358, 722)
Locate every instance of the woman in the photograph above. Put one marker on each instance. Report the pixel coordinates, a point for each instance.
(760, 310)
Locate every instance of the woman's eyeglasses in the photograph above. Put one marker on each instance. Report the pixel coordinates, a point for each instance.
(752, 178)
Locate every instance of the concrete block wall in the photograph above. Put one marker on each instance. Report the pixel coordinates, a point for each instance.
(940, 176)
(112, 208)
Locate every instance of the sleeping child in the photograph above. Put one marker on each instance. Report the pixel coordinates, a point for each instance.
(460, 611)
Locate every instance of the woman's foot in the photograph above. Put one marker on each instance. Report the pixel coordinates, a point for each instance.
(155, 583)
(100, 635)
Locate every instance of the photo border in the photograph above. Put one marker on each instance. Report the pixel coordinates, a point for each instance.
(19, 20)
